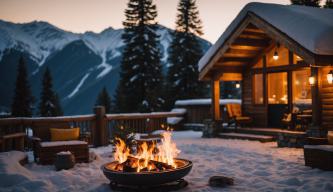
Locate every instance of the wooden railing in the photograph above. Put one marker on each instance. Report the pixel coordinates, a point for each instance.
(38, 126)
(98, 126)
(140, 122)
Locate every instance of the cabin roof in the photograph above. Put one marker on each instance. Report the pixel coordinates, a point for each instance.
(311, 28)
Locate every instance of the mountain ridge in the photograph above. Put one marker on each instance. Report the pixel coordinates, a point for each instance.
(89, 59)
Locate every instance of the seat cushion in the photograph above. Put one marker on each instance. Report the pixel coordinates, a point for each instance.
(62, 143)
(64, 134)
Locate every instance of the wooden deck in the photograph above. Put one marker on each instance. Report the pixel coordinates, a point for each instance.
(265, 131)
(259, 134)
(245, 136)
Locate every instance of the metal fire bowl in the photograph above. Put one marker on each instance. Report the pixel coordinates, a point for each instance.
(147, 178)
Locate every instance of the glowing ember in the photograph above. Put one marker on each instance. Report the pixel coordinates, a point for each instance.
(149, 156)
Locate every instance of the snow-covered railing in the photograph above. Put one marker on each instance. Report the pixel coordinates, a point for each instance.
(95, 128)
(141, 122)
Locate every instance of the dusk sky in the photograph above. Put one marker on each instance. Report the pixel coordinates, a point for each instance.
(96, 15)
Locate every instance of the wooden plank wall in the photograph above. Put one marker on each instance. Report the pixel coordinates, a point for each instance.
(326, 96)
(257, 112)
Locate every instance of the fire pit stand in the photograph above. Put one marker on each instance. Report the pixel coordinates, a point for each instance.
(172, 186)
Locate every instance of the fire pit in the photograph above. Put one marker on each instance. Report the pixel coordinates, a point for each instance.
(152, 165)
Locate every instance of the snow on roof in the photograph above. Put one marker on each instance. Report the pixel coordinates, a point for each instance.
(205, 102)
(310, 27)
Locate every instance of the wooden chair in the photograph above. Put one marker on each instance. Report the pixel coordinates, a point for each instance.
(45, 150)
(289, 120)
(235, 115)
(12, 138)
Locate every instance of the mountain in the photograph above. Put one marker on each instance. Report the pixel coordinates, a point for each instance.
(81, 64)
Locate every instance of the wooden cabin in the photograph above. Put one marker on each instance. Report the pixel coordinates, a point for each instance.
(282, 54)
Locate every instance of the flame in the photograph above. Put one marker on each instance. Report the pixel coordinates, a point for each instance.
(164, 152)
(122, 151)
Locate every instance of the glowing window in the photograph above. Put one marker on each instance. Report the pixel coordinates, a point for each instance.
(277, 88)
(301, 87)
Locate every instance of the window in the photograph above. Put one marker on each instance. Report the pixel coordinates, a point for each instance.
(283, 57)
(277, 88)
(258, 91)
(301, 87)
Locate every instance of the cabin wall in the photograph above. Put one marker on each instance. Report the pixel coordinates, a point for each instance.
(326, 97)
(257, 112)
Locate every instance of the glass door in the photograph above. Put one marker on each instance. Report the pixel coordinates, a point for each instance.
(277, 95)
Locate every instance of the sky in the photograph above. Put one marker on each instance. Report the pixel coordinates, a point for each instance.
(96, 15)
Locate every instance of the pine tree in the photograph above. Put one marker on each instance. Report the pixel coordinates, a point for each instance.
(103, 99)
(184, 53)
(311, 3)
(49, 105)
(23, 100)
(141, 71)
(329, 4)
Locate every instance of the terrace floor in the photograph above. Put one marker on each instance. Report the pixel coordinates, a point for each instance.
(255, 166)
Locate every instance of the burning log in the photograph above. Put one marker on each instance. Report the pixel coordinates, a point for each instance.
(132, 164)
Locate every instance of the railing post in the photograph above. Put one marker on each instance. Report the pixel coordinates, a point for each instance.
(101, 133)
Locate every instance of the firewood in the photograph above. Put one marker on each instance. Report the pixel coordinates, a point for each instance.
(159, 165)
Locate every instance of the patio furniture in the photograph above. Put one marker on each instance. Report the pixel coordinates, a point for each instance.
(305, 120)
(235, 115)
(289, 120)
(12, 141)
(318, 153)
(45, 149)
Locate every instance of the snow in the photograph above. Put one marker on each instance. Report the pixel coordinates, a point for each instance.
(205, 102)
(60, 143)
(106, 66)
(310, 27)
(77, 88)
(38, 38)
(176, 120)
(255, 166)
(64, 153)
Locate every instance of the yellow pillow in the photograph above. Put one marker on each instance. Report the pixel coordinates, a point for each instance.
(64, 134)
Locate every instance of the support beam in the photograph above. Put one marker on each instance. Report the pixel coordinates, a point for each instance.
(315, 99)
(215, 88)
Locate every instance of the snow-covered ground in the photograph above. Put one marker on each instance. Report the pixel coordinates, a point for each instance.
(254, 166)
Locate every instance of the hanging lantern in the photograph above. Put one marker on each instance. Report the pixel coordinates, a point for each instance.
(237, 85)
(276, 55)
(312, 80)
(330, 77)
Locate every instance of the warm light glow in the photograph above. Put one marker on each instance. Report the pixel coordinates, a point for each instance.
(312, 80)
(164, 152)
(237, 85)
(122, 151)
(276, 56)
(330, 77)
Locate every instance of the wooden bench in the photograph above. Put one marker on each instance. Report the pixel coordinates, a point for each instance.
(45, 150)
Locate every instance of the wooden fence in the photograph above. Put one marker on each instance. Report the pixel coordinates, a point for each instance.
(98, 126)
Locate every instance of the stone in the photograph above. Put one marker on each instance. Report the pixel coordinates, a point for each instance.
(220, 181)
